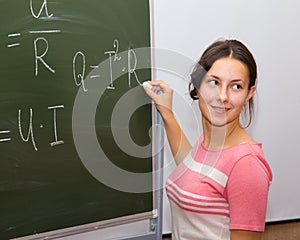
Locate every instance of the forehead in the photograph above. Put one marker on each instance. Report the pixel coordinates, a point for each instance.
(228, 69)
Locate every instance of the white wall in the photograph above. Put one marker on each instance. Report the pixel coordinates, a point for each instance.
(271, 29)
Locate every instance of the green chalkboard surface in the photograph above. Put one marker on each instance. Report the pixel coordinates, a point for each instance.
(50, 54)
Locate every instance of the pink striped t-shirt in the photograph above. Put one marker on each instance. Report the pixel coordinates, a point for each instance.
(211, 192)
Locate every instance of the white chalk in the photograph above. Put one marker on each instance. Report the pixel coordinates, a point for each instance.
(153, 88)
(146, 84)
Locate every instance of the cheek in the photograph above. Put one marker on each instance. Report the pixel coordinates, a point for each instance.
(207, 95)
(239, 101)
(203, 102)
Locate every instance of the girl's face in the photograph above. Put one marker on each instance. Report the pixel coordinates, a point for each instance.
(224, 92)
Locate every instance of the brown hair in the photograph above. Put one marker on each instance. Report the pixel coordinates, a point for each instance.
(220, 49)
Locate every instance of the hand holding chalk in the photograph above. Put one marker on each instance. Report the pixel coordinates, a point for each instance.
(161, 93)
(151, 87)
(148, 85)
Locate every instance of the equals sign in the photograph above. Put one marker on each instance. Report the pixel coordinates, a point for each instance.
(96, 75)
(4, 139)
(14, 44)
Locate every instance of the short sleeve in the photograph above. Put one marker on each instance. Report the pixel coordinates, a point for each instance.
(247, 193)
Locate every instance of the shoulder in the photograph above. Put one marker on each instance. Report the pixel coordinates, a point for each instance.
(244, 161)
(250, 159)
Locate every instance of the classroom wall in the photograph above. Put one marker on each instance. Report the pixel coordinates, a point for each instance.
(271, 30)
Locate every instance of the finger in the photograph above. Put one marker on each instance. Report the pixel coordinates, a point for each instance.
(160, 86)
(153, 86)
(157, 83)
(152, 94)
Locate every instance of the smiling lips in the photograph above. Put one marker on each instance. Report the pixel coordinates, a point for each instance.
(220, 110)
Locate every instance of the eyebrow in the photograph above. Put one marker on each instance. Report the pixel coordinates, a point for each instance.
(233, 80)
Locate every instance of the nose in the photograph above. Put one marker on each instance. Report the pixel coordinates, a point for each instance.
(223, 94)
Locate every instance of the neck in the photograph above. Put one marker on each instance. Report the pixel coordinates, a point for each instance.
(220, 137)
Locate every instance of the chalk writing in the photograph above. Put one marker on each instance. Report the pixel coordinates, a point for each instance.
(95, 76)
(80, 75)
(111, 85)
(44, 31)
(79, 64)
(116, 46)
(132, 67)
(94, 67)
(13, 35)
(43, 7)
(30, 129)
(13, 45)
(29, 134)
(116, 58)
(131, 63)
(56, 142)
(40, 57)
(5, 139)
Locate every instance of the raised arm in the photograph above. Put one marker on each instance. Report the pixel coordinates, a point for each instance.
(162, 95)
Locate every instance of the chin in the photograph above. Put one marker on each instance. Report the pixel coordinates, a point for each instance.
(219, 122)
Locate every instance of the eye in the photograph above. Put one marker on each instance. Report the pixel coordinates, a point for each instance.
(213, 82)
(237, 87)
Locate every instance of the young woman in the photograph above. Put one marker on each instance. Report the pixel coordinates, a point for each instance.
(219, 189)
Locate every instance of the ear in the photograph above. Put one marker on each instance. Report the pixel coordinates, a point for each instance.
(250, 93)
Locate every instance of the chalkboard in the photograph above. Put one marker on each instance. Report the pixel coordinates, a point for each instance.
(51, 53)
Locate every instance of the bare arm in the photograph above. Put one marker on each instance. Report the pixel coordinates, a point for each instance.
(162, 97)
